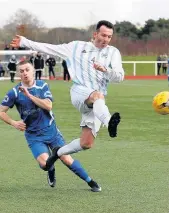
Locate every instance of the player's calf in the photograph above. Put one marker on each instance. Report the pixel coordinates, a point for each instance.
(52, 159)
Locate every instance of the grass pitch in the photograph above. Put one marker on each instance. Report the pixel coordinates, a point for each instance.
(132, 168)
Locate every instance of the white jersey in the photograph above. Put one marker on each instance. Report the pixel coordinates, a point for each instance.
(80, 57)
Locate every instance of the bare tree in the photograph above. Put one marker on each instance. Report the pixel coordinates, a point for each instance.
(24, 23)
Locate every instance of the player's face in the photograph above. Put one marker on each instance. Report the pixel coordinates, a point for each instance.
(102, 37)
(26, 73)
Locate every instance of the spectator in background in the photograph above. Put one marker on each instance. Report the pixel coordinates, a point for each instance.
(159, 58)
(38, 65)
(32, 58)
(164, 65)
(65, 71)
(7, 47)
(2, 71)
(51, 62)
(12, 67)
(23, 58)
(168, 70)
(21, 48)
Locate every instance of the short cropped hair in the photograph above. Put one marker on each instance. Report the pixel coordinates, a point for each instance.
(22, 62)
(104, 23)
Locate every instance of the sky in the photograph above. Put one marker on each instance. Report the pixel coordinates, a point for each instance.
(83, 13)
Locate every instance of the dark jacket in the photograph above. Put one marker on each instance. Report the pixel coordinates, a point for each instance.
(12, 65)
(64, 65)
(50, 62)
(38, 62)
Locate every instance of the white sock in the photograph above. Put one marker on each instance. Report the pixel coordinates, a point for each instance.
(70, 148)
(101, 111)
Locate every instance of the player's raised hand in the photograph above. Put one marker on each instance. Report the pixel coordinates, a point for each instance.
(24, 90)
(99, 67)
(16, 41)
(19, 125)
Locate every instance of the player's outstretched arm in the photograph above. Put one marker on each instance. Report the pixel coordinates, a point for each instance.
(62, 50)
(20, 125)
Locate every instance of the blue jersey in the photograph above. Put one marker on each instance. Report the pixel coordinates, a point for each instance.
(34, 117)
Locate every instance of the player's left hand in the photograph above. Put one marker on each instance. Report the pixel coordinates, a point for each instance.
(99, 67)
(24, 90)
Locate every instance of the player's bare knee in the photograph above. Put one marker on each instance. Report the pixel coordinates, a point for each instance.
(87, 138)
(41, 159)
(96, 95)
(43, 166)
(67, 159)
(87, 144)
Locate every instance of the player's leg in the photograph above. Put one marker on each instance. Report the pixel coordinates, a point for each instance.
(101, 111)
(42, 159)
(41, 153)
(90, 125)
(73, 165)
(76, 167)
(86, 141)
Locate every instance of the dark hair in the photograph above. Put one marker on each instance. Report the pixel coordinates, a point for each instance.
(104, 23)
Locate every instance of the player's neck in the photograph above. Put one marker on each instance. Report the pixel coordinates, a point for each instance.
(97, 46)
(28, 84)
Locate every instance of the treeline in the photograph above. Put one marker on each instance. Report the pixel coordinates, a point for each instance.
(150, 39)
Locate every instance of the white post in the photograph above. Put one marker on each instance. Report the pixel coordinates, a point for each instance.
(155, 68)
(17, 52)
(134, 69)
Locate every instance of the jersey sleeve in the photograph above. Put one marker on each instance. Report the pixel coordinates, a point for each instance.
(115, 70)
(62, 50)
(9, 99)
(46, 93)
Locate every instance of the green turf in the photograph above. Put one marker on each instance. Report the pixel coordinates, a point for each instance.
(141, 69)
(132, 169)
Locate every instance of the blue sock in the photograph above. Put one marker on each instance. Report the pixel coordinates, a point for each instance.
(168, 78)
(77, 168)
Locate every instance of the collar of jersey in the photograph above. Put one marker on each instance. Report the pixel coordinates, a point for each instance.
(29, 87)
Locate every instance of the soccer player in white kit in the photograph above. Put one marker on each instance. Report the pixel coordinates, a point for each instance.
(92, 65)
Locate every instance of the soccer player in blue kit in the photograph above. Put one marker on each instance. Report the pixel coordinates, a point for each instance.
(33, 101)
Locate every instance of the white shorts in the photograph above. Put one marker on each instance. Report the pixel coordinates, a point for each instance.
(78, 95)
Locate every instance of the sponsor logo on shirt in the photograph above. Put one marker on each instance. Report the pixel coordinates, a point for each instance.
(104, 55)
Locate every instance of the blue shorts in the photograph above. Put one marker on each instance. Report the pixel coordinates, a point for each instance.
(44, 140)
